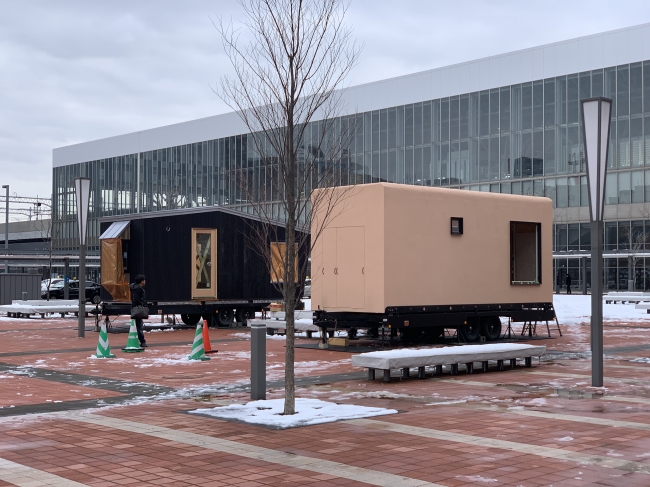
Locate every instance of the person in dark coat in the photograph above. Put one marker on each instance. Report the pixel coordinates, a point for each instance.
(568, 284)
(137, 299)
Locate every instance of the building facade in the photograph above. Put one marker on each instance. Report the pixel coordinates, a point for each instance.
(509, 124)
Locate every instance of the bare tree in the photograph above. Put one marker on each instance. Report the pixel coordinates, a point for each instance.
(286, 88)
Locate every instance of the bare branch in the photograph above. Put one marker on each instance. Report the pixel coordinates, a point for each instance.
(287, 89)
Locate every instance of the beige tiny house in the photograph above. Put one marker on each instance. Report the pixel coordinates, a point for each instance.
(391, 245)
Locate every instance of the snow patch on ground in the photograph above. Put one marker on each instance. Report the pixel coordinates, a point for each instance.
(564, 438)
(476, 478)
(642, 360)
(444, 403)
(308, 412)
(576, 310)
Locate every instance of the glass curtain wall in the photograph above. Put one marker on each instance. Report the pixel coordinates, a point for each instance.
(519, 139)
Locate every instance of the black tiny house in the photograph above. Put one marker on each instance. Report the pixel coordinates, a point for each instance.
(176, 250)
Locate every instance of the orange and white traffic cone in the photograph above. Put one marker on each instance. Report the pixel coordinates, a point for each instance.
(206, 339)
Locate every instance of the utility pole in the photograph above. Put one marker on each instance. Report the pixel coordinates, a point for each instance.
(6, 187)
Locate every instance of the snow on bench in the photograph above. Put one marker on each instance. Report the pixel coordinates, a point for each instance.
(626, 297)
(45, 302)
(297, 315)
(273, 326)
(20, 310)
(406, 359)
(645, 306)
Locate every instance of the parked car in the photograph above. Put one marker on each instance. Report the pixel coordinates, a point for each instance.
(57, 291)
(44, 283)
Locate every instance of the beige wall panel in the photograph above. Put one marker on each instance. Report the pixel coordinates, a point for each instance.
(360, 206)
(426, 265)
(411, 258)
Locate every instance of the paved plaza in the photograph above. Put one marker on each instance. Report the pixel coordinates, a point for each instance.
(70, 420)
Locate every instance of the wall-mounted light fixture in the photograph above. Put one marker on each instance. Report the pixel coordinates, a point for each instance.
(456, 225)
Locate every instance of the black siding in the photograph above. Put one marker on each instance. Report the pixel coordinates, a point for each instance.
(160, 248)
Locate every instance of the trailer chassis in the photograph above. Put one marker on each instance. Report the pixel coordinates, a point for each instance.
(470, 321)
(217, 313)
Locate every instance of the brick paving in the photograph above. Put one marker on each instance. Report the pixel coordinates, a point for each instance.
(125, 422)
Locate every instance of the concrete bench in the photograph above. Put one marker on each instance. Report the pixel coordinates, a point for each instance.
(297, 315)
(45, 302)
(19, 310)
(626, 297)
(274, 326)
(645, 306)
(406, 359)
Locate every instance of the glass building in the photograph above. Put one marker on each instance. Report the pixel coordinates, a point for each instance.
(508, 124)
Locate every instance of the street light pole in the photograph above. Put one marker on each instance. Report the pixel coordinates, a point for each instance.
(82, 189)
(596, 117)
(6, 186)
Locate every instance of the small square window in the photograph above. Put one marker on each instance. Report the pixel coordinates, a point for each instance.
(456, 226)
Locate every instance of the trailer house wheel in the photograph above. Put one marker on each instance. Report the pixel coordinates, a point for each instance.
(225, 316)
(190, 320)
(243, 314)
(491, 327)
(471, 331)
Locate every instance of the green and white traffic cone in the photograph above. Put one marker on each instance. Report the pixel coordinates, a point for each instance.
(103, 348)
(198, 352)
(132, 343)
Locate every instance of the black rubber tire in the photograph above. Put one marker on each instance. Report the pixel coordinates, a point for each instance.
(225, 316)
(96, 299)
(471, 331)
(244, 314)
(190, 320)
(491, 328)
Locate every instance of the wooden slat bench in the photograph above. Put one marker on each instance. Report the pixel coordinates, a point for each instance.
(406, 359)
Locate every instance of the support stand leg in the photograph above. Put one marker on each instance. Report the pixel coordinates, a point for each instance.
(513, 363)
(406, 373)
(421, 373)
(386, 375)
(438, 370)
(528, 361)
(470, 367)
(371, 374)
(454, 369)
(484, 366)
(500, 364)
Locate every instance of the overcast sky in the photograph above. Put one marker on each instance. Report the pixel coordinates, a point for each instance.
(74, 71)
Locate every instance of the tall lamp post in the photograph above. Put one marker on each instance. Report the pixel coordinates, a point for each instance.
(6, 187)
(82, 188)
(596, 115)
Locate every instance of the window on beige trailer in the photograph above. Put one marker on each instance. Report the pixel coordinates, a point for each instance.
(525, 253)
